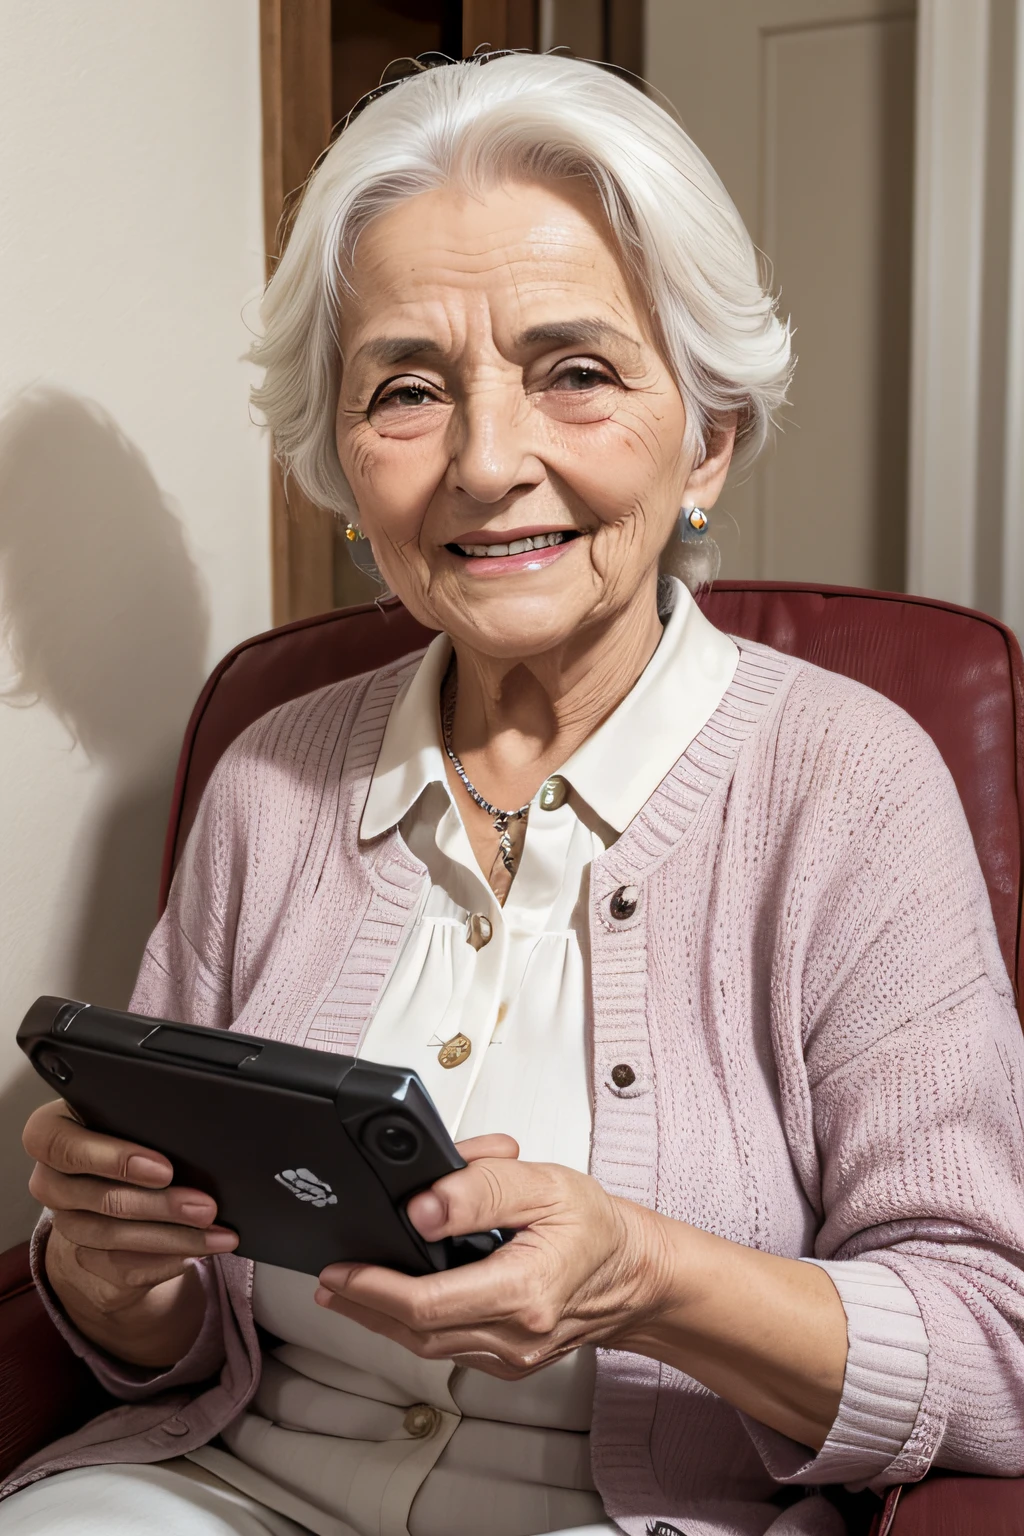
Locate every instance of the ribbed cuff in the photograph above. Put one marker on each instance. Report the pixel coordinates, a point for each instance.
(135, 1383)
(886, 1371)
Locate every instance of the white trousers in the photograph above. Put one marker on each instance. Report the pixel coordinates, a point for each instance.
(174, 1498)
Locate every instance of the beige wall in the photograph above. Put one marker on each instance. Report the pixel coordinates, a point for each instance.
(133, 487)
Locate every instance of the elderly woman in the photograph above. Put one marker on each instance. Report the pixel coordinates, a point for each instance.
(687, 939)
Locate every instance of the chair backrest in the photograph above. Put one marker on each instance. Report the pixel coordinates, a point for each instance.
(958, 673)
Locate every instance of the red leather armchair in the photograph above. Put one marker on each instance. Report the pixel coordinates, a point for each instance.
(961, 676)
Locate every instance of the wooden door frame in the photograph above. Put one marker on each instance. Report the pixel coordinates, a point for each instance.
(295, 77)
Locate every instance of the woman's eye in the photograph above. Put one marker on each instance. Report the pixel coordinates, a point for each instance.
(407, 407)
(405, 394)
(582, 376)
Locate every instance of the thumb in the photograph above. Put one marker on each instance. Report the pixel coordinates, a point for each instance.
(428, 1211)
(490, 1192)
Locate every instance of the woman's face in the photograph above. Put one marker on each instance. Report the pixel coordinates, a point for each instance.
(500, 388)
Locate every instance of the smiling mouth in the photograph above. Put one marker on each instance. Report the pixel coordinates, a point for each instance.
(515, 547)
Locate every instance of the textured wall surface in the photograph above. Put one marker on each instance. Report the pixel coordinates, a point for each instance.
(134, 545)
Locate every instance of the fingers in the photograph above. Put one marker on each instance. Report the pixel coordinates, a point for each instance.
(106, 1213)
(126, 1202)
(498, 1290)
(87, 1229)
(493, 1145)
(502, 1348)
(53, 1137)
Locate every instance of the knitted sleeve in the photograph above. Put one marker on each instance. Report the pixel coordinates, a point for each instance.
(912, 1093)
(186, 976)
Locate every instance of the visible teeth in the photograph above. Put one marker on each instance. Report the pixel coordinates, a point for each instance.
(517, 546)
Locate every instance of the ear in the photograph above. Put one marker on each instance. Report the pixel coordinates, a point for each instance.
(705, 482)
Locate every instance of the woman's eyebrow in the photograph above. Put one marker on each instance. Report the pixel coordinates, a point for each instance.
(395, 349)
(575, 333)
(386, 350)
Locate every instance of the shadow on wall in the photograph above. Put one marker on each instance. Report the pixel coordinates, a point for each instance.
(105, 620)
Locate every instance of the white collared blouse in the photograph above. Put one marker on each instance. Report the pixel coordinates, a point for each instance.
(520, 998)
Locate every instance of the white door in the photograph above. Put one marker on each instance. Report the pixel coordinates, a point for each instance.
(806, 110)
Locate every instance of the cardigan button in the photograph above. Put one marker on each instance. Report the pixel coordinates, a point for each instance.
(421, 1420)
(623, 1075)
(175, 1426)
(624, 902)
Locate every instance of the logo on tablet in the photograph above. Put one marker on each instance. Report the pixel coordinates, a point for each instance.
(306, 1186)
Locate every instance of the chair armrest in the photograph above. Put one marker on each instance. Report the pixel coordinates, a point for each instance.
(45, 1390)
(950, 1504)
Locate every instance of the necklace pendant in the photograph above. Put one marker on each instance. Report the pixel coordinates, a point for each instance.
(505, 852)
(455, 1051)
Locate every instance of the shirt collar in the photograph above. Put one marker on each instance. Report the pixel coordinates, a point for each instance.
(616, 770)
(411, 753)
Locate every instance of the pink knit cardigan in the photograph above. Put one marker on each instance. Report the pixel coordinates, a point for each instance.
(827, 1064)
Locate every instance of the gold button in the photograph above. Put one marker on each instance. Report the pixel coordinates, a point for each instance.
(455, 1051)
(478, 930)
(421, 1420)
(553, 792)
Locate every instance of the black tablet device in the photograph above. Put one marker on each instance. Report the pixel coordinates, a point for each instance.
(311, 1157)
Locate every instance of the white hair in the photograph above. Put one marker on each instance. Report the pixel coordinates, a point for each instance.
(547, 117)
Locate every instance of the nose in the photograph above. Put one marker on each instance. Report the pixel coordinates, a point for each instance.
(492, 448)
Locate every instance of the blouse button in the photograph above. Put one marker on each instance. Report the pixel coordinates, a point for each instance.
(420, 1421)
(553, 792)
(455, 1051)
(623, 1075)
(478, 930)
(624, 902)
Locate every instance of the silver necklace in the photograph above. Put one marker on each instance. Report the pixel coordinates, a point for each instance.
(500, 818)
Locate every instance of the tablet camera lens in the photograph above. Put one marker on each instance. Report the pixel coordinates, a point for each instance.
(393, 1139)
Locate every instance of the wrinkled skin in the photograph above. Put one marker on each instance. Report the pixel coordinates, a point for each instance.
(500, 375)
(495, 423)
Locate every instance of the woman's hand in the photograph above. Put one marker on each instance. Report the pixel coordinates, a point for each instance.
(582, 1269)
(117, 1256)
(768, 1334)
